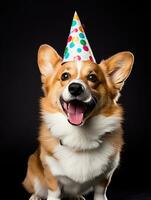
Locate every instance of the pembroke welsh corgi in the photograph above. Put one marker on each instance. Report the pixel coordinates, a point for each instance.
(80, 137)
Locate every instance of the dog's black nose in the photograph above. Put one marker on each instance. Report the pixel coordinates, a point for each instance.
(76, 89)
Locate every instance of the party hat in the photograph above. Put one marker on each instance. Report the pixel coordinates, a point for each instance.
(77, 48)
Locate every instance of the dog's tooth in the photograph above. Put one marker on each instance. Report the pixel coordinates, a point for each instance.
(65, 105)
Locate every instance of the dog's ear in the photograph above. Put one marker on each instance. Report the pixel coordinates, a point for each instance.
(47, 59)
(118, 67)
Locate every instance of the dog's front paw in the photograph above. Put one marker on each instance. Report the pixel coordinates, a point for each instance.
(53, 198)
(34, 197)
(54, 195)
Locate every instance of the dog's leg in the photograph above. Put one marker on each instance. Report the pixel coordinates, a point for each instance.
(100, 189)
(100, 192)
(54, 190)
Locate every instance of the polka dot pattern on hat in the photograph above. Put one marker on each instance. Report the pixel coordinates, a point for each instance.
(77, 47)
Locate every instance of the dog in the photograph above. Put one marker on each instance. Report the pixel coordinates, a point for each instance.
(80, 136)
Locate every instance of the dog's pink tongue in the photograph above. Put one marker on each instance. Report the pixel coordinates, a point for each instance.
(75, 114)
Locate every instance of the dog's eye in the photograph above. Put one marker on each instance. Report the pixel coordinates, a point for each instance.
(92, 77)
(65, 76)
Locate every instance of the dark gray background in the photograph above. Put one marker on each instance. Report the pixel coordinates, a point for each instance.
(110, 27)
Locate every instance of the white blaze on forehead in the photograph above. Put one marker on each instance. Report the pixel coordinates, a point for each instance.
(86, 95)
(79, 68)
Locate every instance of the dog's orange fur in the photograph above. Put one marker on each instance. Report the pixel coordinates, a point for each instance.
(107, 88)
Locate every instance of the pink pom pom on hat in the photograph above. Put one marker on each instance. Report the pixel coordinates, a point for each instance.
(77, 48)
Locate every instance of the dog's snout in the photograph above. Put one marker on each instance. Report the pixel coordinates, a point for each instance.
(76, 89)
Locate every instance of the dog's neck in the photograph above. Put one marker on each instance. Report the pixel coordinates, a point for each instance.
(79, 150)
(86, 137)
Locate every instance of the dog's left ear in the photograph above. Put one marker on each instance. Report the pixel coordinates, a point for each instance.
(47, 59)
(118, 67)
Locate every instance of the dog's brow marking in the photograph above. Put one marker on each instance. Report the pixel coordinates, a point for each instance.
(79, 67)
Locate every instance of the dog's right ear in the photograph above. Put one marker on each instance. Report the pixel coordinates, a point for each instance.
(47, 60)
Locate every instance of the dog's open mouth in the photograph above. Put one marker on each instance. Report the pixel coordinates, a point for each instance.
(77, 111)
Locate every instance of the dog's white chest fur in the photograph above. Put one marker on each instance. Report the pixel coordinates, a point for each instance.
(81, 158)
(80, 166)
